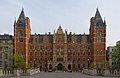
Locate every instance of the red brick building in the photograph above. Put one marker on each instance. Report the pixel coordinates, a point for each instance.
(61, 50)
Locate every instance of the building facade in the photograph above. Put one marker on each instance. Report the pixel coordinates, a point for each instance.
(6, 51)
(61, 50)
(112, 62)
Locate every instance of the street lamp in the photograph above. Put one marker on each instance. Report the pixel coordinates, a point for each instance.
(88, 63)
(34, 62)
(40, 65)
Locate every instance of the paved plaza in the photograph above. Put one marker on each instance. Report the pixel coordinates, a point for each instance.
(61, 75)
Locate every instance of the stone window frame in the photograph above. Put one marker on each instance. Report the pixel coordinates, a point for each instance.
(68, 59)
(74, 66)
(84, 59)
(21, 40)
(74, 53)
(99, 36)
(89, 53)
(84, 65)
(35, 53)
(46, 53)
(51, 59)
(84, 53)
(79, 66)
(51, 53)
(46, 59)
(74, 59)
(68, 53)
(78, 59)
(20, 33)
(97, 52)
(101, 52)
(79, 53)
(40, 53)
(0, 56)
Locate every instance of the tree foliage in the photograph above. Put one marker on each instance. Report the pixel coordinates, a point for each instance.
(19, 61)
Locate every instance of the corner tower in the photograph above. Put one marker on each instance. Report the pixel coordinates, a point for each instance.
(98, 38)
(22, 33)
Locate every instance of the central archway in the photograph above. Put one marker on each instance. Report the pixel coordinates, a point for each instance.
(69, 67)
(50, 67)
(60, 67)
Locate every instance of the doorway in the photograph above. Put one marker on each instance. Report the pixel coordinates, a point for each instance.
(60, 67)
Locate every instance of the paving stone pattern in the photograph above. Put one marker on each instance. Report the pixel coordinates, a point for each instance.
(60, 75)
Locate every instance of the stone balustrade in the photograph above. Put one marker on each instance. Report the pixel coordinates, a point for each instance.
(105, 72)
(18, 72)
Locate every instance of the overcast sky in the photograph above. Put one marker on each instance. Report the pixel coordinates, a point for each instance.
(73, 15)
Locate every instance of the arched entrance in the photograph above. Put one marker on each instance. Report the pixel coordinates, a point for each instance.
(50, 67)
(40, 67)
(60, 67)
(69, 67)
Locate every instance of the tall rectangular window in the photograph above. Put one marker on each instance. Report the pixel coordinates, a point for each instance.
(78, 59)
(0, 56)
(78, 53)
(78, 65)
(0, 63)
(99, 37)
(84, 59)
(88, 53)
(73, 65)
(20, 39)
(51, 53)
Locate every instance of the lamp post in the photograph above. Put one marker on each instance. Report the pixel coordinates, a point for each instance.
(88, 63)
(34, 62)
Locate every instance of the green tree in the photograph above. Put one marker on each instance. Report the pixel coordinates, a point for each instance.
(115, 55)
(19, 61)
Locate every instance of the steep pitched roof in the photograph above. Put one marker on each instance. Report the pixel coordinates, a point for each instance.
(21, 22)
(22, 15)
(98, 19)
(97, 15)
(60, 30)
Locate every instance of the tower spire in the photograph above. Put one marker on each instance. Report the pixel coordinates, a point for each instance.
(60, 30)
(98, 19)
(97, 15)
(22, 14)
(21, 22)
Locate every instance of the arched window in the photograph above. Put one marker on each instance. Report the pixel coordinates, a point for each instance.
(74, 40)
(20, 33)
(69, 67)
(97, 52)
(20, 23)
(20, 39)
(101, 52)
(50, 67)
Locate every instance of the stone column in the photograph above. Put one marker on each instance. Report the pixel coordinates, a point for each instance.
(16, 72)
(1, 72)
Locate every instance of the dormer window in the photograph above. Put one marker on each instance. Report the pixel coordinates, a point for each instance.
(99, 23)
(20, 23)
(73, 39)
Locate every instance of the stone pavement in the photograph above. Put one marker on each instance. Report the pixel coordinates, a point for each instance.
(61, 75)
